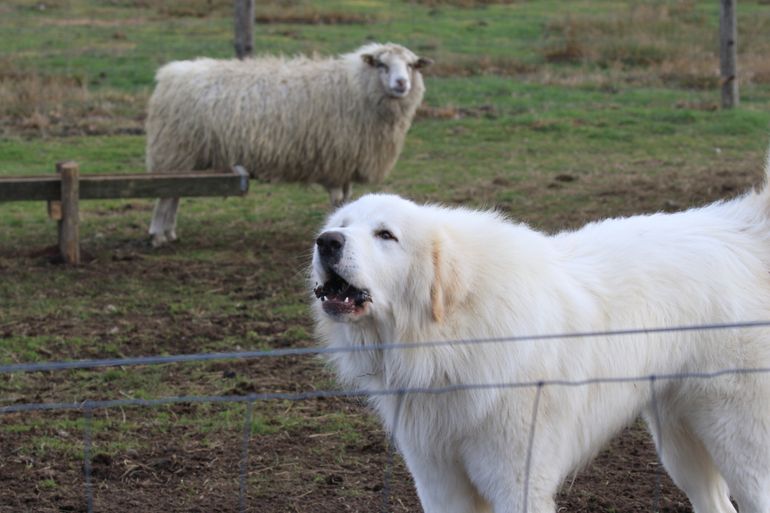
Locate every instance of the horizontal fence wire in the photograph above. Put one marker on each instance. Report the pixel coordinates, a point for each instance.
(316, 394)
(87, 407)
(329, 394)
(304, 351)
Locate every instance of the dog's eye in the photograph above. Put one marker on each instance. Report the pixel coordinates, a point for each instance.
(385, 235)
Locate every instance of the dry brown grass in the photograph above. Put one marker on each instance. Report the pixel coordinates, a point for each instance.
(178, 8)
(311, 16)
(453, 112)
(306, 12)
(469, 66)
(93, 22)
(642, 36)
(194, 8)
(302, 12)
(462, 3)
(34, 104)
(656, 43)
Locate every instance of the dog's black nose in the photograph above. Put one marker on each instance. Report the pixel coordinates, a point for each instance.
(330, 246)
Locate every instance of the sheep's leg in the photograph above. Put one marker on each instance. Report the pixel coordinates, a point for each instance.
(340, 195)
(163, 224)
(171, 226)
(336, 196)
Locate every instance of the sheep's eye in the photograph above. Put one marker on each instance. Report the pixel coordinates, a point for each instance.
(381, 65)
(385, 235)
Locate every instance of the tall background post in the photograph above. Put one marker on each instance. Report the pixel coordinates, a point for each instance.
(728, 53)
(69, 225)
(244, 28)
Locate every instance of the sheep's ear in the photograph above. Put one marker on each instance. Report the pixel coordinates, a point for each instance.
(369, 59)
(449, 285)
(422, 62)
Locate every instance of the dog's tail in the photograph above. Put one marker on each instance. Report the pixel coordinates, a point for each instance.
(764, 191)
(762, 194)
(766, 182)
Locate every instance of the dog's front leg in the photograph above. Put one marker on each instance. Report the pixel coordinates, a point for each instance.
(443, 486)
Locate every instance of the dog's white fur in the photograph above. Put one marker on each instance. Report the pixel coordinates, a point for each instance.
(454, 274)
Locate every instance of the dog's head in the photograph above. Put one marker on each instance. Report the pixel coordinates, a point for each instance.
(385, 258)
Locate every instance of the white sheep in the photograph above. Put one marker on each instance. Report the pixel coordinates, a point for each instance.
(331, 121)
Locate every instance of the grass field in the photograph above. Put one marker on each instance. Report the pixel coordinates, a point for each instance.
(553, 112)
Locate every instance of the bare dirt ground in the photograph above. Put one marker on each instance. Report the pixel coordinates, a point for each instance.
(294, 468)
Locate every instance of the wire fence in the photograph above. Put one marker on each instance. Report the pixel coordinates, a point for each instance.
(87, 407)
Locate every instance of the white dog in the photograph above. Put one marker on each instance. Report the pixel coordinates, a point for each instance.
(388, 271)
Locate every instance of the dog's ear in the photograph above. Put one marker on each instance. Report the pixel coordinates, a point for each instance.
(448, 286)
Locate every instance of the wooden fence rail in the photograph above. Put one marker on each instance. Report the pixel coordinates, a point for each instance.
(64, 190)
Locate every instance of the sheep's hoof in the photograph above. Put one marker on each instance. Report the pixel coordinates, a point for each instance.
(337, 197)
(158, 240)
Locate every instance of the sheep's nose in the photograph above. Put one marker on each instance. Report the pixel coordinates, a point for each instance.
(330, 246)
(401, 83)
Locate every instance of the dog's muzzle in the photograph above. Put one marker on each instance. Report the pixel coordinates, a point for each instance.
(337, 295)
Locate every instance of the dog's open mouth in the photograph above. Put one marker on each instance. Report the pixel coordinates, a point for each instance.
(340, 297)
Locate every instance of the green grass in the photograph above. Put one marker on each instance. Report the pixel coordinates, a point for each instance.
(554, 112)
(519, 126)
(94, 154)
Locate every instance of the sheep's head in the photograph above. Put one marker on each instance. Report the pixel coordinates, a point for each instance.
(395, 66)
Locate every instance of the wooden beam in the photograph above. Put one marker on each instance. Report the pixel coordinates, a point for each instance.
(144, 185)
(23, 188)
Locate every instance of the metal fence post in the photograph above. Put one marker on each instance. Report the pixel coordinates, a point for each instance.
(87, 469)
(244, 464)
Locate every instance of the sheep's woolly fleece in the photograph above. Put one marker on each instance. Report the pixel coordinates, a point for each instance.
(307, 119)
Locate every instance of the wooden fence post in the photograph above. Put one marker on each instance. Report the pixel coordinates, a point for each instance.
(69, 225)
(728, 53)
(244, 28)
